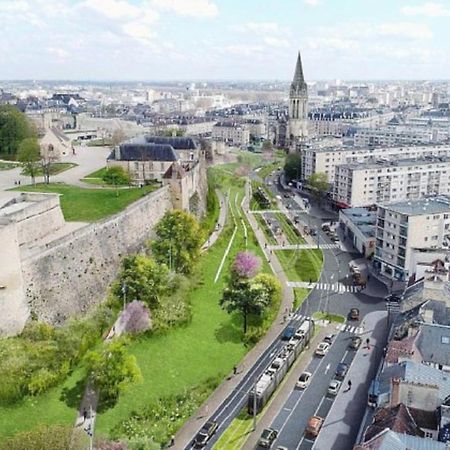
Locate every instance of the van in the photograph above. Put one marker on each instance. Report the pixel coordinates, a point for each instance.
(314, 425)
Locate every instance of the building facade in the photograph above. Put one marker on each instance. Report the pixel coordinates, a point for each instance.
(407, 225)
(232, 133)
(364, 184)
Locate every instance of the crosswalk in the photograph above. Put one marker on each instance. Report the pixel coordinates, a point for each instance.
(331, 287)
(340, 327)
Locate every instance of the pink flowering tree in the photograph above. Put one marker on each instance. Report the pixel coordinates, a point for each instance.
(246, 265)
(136, 317)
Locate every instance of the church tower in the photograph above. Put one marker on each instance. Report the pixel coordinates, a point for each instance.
(298, 106)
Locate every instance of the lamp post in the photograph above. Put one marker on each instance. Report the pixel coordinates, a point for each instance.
(124, 292)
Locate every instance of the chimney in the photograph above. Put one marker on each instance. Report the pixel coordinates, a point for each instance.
(395, 392)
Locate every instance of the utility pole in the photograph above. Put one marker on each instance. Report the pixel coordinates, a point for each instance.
(124, 292)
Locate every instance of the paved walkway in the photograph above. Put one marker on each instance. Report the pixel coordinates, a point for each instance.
(186, 434)
(339, 431)
(220, 222)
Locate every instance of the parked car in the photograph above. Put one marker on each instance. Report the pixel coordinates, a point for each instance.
(204, 435)
(326, 227)
(334, 238)
(341, 370)
(267, 437)
(313, 427)
(393, 298)
(303, 380)
(353, 314)
(286, 195)
(355, 343)
(333, 387)
(322, 349)
(313, 232)
(288, 333)
(329, 338)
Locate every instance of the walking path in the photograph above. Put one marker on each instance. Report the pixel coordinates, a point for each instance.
(223, 212)
(186, 434)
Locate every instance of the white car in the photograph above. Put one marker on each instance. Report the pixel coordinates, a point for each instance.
(322, 349)
(334, 387)
(303, 380)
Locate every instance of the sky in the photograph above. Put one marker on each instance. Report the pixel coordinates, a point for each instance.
(224, 39)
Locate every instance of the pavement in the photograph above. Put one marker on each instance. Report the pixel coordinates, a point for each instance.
(220, 222)
(89, 159)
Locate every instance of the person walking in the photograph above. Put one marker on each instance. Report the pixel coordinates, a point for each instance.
(234, 370)
(368, 343)
(349, 383)
(172, 441)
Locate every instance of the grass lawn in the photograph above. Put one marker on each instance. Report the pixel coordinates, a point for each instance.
(8, 165)
(301, 265)
(98, 142)
(299, 295)
(267, 232)
(95, 177)
(268, 169)
(89, 205)
(292, 234)
(237, 433)
(331, 317)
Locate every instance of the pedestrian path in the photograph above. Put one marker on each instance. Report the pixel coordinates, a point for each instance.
(301, 246)
(331, 287)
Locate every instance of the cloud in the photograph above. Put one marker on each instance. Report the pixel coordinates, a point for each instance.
(312, 2)
(193, 8)
(405, 30)
(60, 53)
(332, 43)
(244, 50)
(260, 27)
(276, 42)
(429, 9)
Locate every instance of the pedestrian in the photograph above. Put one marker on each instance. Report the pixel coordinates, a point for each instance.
(15, 182)
(265, 244)
(284, 318)
(19, 182)
(234, 370)
(368, 277)
(310, 281)
(172, 441)
(349, 385)
(84, 415)
(368, 343)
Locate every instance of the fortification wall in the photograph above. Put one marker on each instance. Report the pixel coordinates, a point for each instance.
(13, 306)
(72, 274)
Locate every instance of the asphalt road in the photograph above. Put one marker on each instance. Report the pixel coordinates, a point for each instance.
(292, 419)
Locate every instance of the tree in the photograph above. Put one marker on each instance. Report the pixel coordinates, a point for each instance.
(136, 317)
(111, 369)
(178, 241)
(246, 265)
(270, 285)
(318, 183)
(116, 176)
(14, 128)
(292, 166)
(29, 155)
(46, 164)
(117, 137)
(143, 278)
(246, 297)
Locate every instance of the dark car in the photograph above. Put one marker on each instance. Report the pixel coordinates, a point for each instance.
(329, 338)
(267, 437)
(393, 298)
(355, 343)
(286, 195)
(313, 233)
(204, 435)
(341, 371)
(353, 314)
(288, 333)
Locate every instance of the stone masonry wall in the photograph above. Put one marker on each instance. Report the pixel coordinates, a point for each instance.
(73, 273)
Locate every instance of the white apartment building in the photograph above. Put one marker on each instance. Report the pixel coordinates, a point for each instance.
(405, 226)
(362, 184)
(325, 159)
(395, 136)
(232, 133)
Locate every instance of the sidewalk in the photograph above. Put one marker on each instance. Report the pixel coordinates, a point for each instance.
(220, 222)
(286, 388)
(341, 425)
(186, 434)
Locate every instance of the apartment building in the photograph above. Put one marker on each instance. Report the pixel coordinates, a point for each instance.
(363, 184)
(395, 136)
(407, 225)
(232, 133)
(325, 159)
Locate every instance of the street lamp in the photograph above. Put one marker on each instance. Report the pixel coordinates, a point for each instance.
(124, 292)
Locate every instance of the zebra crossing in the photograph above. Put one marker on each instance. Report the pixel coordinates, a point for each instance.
(341, 327)
(331, 287)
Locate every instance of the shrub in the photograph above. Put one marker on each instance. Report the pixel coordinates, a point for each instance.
(135, 318)
(116, 175)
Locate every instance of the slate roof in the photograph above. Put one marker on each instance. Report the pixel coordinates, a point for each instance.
(178, 143)
(299, 79)
(433, 343)
(146, 152)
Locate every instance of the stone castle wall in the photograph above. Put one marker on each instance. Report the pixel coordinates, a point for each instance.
(71, 274)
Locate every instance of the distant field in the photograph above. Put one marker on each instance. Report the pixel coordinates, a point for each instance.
(89, 205)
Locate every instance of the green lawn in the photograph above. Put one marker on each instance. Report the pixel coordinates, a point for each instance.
(55, 168)
(268, 169)
(267, 232)
(292, 234)
(236, 434)
(89, 205)
(299, 296)
(95, 177)
(331, 317)
(301, 265)
(8, 165)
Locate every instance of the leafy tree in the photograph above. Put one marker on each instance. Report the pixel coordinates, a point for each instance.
(267, 146)
(178, 241)
(55, 437)
(318, 183)
(246, 297)
(270, 285)
(46, 164)
(246, 265)
(14, 128)
(136, 317)
(29, 154)
(111, 369)
(117, 137)
(116, 175)
(144, 280)
(292, 166)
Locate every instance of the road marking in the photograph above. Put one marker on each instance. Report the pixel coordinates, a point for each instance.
(315, 414)
(327, 368)
(287, 409)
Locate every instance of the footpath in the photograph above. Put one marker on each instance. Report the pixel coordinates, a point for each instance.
(186, 434)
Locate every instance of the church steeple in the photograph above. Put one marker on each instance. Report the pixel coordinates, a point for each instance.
(299, 80)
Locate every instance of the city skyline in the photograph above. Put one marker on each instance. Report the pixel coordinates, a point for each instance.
(115, 40)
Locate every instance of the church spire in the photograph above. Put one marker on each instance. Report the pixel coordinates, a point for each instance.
(299, 80)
